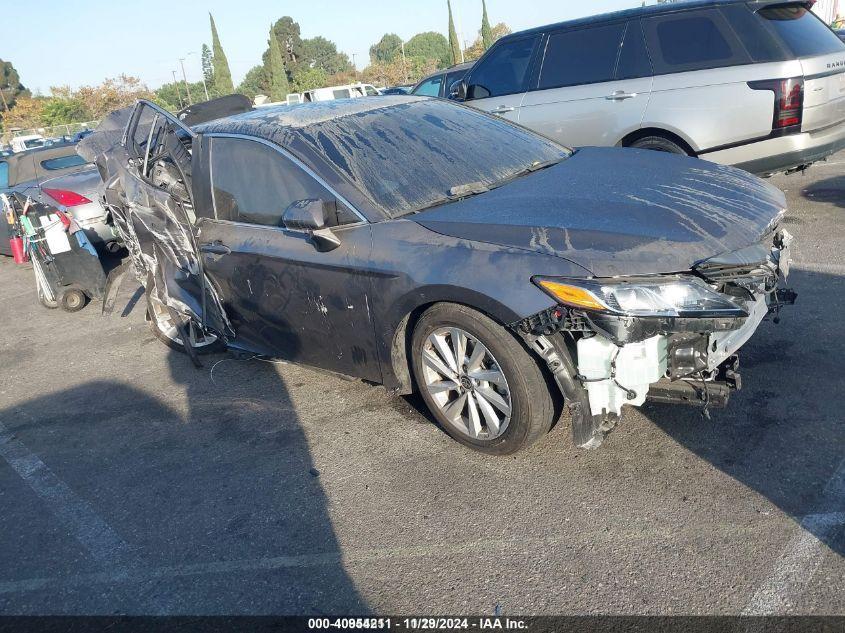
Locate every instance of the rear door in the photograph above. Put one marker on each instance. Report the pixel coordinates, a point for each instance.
(593, 85)
(497, 84)
(822, 56)
(284, 297)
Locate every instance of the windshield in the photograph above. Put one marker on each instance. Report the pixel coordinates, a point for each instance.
(36, 142)
(413, 155)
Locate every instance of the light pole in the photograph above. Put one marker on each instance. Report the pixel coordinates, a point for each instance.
(185, 79)
(176, 85)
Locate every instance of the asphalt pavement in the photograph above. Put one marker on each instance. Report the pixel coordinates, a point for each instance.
(131, 482)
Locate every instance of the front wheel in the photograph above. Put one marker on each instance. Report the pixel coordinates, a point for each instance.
(163, 327)
(481, 385)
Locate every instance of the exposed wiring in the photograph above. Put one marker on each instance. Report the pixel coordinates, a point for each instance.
(629, 393)
(244, 360)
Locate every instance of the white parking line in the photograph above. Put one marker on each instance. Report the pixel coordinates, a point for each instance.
(801, 558)
(104, 544)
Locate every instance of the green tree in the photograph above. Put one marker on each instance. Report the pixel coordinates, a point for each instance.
(10, 86)
(477, 49)
(486, 31)
(309, 78)
(172, 96)
(58, 111)
(429, 45)
(255, 82)
(278, 74)
(207, 65)
(454, 44)
(222, 74)
(318, 52)
(388, 48)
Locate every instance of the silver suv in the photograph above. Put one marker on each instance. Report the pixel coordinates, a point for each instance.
(757, 85)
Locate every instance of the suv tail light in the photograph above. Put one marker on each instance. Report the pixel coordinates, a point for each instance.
(789, 103)
(66, 198)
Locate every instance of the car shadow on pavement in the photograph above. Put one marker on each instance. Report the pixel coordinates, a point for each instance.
(207, 503)
(829, 190)
(783, 434)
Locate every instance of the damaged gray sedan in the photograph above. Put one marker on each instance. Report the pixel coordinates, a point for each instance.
(427, 246)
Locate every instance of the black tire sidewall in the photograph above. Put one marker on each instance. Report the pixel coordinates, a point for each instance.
(531, 403)
(660, 144)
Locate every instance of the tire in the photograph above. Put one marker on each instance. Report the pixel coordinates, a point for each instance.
(659, 144)
(72, 300)
(527, 392)
(160, 325)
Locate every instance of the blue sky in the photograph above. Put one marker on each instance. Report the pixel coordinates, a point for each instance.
(79, 42)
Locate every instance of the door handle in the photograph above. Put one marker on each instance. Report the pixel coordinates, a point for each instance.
(620, 95)
(502, 109)
(215, 248)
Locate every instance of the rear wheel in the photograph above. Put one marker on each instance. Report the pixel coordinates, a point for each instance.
(73, 300)
(659, 144)
(164, 328)
(481, 385)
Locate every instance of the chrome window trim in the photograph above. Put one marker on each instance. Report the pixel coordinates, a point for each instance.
(281, 150)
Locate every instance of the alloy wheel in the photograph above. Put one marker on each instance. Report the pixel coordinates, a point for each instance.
(466, 383)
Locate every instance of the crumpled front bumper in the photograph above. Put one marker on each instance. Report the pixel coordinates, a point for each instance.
(602, 362)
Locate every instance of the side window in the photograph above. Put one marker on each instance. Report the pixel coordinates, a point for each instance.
(585, 56)
(341, 94)
(371, 92)
(751, 30)
(430, 87)
(504, 70)
(633, 60)
(253, 183)
(4, 175)
(692, 40)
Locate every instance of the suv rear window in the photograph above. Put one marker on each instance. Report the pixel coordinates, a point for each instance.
(804, 33)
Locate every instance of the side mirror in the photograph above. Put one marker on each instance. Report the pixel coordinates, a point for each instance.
(458, 91)
(311, 215)
(306, 215)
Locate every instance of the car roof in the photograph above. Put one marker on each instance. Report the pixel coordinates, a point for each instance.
(266, 121)
(26, 166)
(649, 10)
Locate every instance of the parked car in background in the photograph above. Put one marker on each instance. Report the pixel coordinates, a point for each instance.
(27, 141)
(331, 93)
(438, 84)
(840, 33)
(758, 85)
(396, 90)
(59, 177)
(479, 278)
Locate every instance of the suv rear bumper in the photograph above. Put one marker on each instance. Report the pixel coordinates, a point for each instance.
(784, 153)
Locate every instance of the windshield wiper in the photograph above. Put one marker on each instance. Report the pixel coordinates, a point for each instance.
(460, 192)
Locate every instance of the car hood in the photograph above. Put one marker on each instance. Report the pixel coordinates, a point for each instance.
(620, 212)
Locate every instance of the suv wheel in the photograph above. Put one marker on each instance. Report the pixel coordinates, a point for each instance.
(659, 144)
(481, 385)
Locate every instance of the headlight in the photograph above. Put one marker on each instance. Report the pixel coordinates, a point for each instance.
(669, 296)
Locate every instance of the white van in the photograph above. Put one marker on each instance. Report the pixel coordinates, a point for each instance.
(351, 91)
(27, 141)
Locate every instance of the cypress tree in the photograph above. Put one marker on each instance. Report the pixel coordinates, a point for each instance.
(222, 75)
(454, 44)
(278, 75)
(486, 31)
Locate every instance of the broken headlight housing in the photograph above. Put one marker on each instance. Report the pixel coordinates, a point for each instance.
(663, 296)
